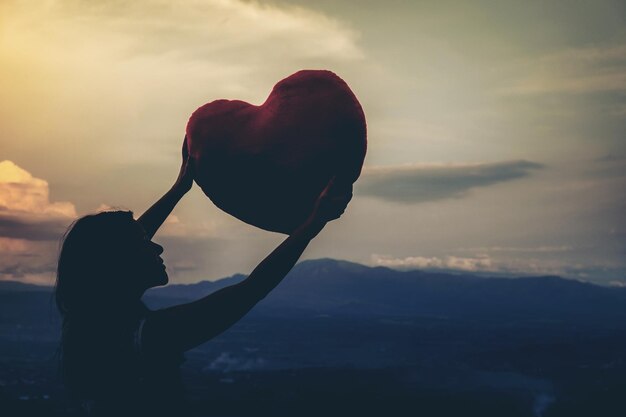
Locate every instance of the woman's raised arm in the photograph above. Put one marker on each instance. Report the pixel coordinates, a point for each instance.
(185, 326)
(154, 217)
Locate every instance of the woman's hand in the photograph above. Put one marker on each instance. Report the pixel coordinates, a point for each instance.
(185, 176)
(329, 206)
(154, 217)
(332, 201)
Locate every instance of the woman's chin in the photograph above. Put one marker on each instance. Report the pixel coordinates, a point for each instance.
(160, 279)
(163, 279)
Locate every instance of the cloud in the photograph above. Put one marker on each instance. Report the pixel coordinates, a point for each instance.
(13, 246)
(27, 261)
(199, 30)
(419, 183)
(20, 191)
(518, 249)
(133, 72)
(217, 36)
(26, 211)
(482, 263)
(30, 226)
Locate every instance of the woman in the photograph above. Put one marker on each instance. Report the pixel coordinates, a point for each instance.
(120, 358)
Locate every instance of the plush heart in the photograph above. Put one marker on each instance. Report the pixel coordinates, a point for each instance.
(267, 164)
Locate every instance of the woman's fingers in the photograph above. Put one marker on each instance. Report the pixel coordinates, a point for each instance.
(334, 199)
(336, 206)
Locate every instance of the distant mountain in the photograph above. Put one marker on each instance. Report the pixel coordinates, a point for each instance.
(334, 287)
(192, 291)
(328, 286)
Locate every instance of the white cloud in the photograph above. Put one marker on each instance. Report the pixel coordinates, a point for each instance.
(519, 249)
(26, 211)
(482, 263)
(30, 226)
(20, 192)
(491, 264)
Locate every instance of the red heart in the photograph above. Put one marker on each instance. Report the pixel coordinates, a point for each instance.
(267, 164)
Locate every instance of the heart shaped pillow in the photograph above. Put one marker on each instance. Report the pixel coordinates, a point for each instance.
(267, 164)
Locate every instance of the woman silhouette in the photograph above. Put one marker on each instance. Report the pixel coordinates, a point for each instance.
(119, 358)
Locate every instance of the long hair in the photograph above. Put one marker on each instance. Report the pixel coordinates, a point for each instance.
(92, 290)
(91, 260)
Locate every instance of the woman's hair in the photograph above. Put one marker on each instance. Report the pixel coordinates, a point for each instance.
(92, 260)
(92, 291)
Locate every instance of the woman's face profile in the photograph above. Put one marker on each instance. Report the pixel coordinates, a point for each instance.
(147, 266)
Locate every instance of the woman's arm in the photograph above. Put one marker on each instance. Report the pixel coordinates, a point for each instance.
(154, 217)
(185, 326)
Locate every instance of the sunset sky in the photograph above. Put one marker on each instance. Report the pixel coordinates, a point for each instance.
(496, 129)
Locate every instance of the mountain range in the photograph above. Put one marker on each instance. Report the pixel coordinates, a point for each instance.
(328, 286)
(336, 287)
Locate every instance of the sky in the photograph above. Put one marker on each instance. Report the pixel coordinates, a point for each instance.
(496, 129)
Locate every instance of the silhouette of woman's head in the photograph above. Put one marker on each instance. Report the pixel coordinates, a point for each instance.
(106, 259)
